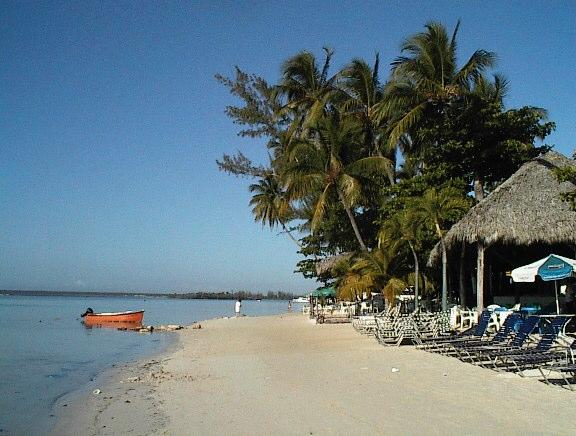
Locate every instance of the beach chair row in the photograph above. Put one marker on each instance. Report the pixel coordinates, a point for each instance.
(412, 328)
(516, 347)
(365, 324)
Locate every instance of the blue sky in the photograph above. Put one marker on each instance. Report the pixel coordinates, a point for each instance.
(111, 122)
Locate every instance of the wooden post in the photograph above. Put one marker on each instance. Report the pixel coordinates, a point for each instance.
(480, 277)
(462, 272)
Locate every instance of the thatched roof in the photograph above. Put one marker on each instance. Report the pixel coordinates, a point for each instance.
(524, 210)
(325, 265)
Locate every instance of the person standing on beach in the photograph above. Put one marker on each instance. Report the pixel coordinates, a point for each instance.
(238, 306)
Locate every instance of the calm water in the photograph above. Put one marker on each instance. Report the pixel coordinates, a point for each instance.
(46, 352)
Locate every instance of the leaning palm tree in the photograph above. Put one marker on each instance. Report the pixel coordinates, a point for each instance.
(328, 168)
(270, 204)
(428, 78)
(434, 209)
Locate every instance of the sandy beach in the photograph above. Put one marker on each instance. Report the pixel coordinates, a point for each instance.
(285, 375)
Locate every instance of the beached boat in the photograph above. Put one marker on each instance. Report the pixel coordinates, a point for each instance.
(132, 317)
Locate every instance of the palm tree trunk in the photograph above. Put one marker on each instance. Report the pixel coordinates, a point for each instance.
(291, 235)
(417, 274)
(444, 277)
(353, 222)
(462, 274)
(391, 155)
(444, 269)
(392, 173)
(478, 188)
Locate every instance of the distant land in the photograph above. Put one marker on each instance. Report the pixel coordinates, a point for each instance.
(201, 295)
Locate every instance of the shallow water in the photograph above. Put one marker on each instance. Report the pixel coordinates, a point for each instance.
(46, 352)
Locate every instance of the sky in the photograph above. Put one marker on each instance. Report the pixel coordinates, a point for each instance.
(111, 122)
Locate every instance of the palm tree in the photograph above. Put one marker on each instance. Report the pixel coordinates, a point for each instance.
(404, 228)
(435, 208)
(307, 88)
(428, 78)
(327, 167)
(362, 273)
(350, 283)
(383, 270)
(270, 204)
(362, 93)
(485, 92)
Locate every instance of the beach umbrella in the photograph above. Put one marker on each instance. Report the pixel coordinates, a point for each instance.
(327, 291)
(551, 268)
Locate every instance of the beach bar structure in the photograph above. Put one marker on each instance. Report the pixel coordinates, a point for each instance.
(522, 220)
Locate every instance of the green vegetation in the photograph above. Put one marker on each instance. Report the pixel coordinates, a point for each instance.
(380, 170)
(568, 174)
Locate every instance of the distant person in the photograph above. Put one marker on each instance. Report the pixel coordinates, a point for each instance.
(289, 306)
(238, 306)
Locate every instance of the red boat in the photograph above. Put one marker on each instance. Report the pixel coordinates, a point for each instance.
(129, 317)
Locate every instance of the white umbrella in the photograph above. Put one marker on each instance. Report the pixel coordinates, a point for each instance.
(552, 267)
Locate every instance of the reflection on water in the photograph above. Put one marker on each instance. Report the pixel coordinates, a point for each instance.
(117, 325)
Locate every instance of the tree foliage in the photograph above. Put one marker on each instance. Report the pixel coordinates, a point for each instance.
(380, 166)
(568, 174)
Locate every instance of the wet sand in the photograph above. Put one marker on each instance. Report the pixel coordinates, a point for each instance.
(285, 375)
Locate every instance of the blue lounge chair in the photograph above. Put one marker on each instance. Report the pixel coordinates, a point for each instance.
(501, 337)
(528, 358)
(485, 355)
(474, 334)
(567, 370)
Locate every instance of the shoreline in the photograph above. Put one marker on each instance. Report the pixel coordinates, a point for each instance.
(79, 410)
(283, 374)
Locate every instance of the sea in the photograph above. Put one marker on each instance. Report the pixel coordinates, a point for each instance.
(46, 352)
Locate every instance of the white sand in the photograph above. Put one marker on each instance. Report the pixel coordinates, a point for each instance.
(286, 375)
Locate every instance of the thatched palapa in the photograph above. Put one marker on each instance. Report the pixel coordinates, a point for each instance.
(526, 209)
(325, 265)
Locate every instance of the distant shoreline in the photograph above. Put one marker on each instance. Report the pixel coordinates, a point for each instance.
(202, 295)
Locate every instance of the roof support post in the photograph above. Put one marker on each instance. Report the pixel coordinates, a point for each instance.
(480, 277)
(461, 274)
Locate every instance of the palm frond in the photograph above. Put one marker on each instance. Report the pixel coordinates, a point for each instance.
(370, 166)
(349, 187)
(393, 288)
(403, 125)
(478, 62)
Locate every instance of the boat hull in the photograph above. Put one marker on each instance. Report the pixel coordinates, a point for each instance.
(302, 300)
(135, 317)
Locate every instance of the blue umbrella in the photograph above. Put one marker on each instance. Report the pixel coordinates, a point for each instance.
(551, 268)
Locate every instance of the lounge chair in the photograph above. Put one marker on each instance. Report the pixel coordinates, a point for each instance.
(393, 330)
(462, 350)
(484, 355)
(364, 324)
(565, 370)
(432, 325)
(438, 344)
(553, 360)
(528, 358)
